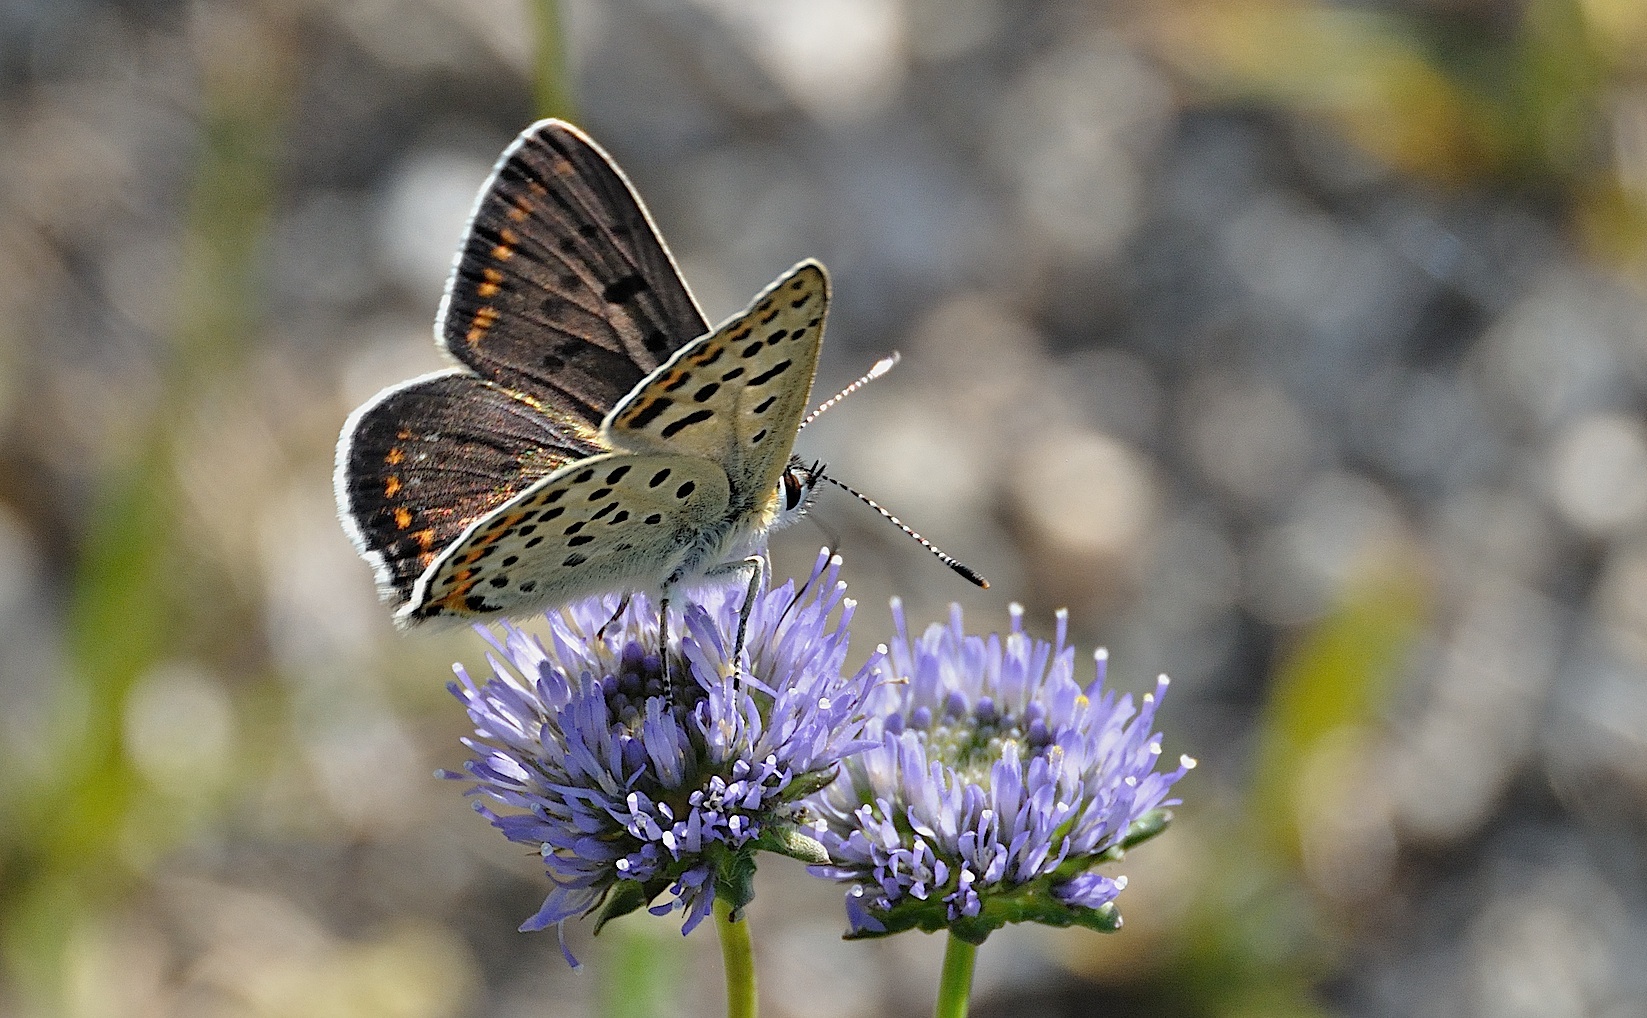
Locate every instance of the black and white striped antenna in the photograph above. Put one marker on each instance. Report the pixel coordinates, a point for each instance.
(968, 573)
(880, 368)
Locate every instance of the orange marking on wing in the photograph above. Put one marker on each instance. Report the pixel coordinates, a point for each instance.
(425, 538)
(484, 319)
(519, 211)
(403, 518)
(404, 434)
(493, 282)
(453, 600)
(391, 486)
(394, 456)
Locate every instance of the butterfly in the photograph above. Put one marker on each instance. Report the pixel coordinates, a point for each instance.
(596, 434)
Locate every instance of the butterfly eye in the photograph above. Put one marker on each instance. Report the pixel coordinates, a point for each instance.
(794, 490)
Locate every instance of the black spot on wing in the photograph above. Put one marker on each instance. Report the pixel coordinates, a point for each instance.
(770, 373)
(649, 413)
(675, 427)
(623, 290)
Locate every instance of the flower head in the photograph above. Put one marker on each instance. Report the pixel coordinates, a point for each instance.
(997, 784)
(633, 792)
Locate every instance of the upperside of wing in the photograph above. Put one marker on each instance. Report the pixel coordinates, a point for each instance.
(563, 290)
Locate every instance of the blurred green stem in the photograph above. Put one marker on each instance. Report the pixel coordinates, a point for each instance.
(738, 958)
(955, 984)
(143, 592)
(552, 92)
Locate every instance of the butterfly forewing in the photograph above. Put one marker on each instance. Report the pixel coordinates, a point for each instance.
(607, 522)
(737, 395)
(425, 459)
(598, 437)
(563, 289)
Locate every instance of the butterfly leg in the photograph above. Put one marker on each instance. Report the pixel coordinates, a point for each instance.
(663, 636)
(756, 566)
(623, 606)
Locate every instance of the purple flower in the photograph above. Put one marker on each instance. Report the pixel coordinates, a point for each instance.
(633, 797)
(997, 784)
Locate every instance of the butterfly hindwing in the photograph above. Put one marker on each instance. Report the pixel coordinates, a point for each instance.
(424, 459)
(603, 523)
(563, 289)
(736, 396)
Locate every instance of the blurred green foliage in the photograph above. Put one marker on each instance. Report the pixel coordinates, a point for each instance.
(142, 594)
(1543, 95)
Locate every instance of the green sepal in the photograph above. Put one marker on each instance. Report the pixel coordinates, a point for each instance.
(1146, 827)
(806, 784)
(1029, 903)
(784, 839)
(622, 898)
(735, 880)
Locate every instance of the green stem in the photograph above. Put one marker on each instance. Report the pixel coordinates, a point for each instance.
(738, 958)
(552, 90)
(955, 985)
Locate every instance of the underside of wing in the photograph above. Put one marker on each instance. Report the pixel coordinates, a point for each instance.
(563, 289)
(737, 395)
(423, 460)
(611, 522)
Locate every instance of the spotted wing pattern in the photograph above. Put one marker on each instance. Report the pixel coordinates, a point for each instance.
(563, 289)
(563, 298)
(608, 521)
(737, 395)
(423, 460)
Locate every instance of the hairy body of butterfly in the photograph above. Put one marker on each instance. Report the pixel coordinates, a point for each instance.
(598, 436)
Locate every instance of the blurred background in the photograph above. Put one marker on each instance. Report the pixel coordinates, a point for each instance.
(1298, 347)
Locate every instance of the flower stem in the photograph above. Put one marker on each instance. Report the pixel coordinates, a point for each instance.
(738, 959)
(955, 985)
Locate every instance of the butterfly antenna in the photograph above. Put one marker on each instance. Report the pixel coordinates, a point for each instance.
(881, 367)
(966, 571)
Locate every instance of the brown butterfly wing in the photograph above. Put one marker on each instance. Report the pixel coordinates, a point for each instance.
(563, 290)
(426, 458)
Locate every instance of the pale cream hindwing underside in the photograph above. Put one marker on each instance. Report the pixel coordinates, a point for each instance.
(737, 395)
(596, 525)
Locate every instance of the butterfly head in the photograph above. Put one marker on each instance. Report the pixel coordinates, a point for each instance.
(795, 490)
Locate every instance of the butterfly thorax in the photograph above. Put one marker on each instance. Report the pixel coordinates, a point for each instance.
(744, 532)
